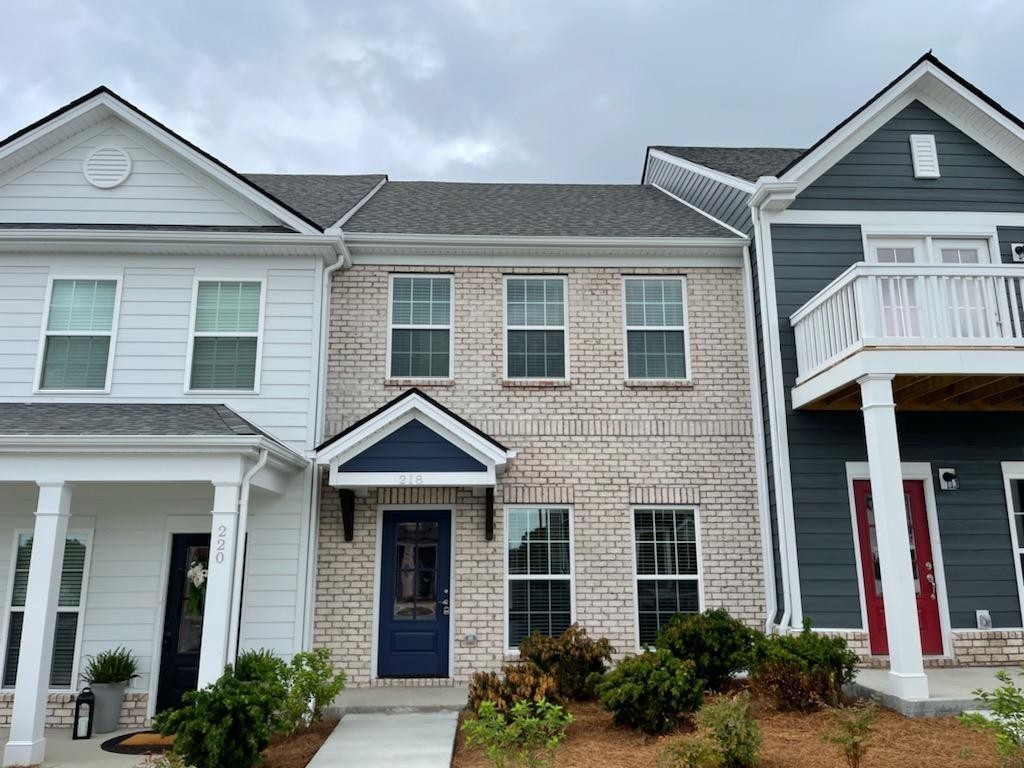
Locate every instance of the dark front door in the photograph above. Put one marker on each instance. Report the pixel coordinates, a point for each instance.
(920, 560)
(414, 594)
(183, 618)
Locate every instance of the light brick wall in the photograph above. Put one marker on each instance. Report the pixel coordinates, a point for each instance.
(983, 648)
(60, 710)
(598, 444)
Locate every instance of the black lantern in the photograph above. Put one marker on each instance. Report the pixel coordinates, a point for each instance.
(83, 720)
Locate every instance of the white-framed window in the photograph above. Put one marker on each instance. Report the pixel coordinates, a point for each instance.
(668, 567)
(225, 343)
(536, 343)
(420, 330)
(928, 250)
(1013, 479)
(539, 566)
(78, 335)
(656, 335)
(71, 598)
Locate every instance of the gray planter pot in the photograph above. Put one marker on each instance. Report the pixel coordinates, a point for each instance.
(109, 697)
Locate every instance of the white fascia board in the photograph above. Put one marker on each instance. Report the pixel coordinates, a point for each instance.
(545, 241)
(483, 479)
(711, 173)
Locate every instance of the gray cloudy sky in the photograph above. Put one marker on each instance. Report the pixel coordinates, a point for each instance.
(513, 90)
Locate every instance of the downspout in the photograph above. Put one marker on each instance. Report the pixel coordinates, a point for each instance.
(243, 524)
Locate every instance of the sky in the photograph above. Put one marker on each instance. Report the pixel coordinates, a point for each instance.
(491, 90)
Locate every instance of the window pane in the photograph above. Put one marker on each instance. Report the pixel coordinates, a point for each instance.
(535, 301)
(659, 601)
(538, 606)
(536, 354)
(20, 587)
(72, 573)
(421, 300)
(656, 354)
(654, 302)
(420, 353)
(75, 362)
(13, 648)
(82, 305)
(63, 649)
(227, 307)
(224, 363)
(666, 542)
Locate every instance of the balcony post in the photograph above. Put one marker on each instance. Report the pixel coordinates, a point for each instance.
(906, 666)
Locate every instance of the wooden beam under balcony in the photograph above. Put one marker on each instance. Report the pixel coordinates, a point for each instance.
(938, 393)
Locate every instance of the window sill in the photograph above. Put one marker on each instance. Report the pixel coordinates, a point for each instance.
(536, 383)
(412, 382)
(659, 383)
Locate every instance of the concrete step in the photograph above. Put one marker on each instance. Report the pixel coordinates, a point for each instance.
(399, 699)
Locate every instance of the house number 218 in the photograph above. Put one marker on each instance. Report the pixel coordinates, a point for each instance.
(221, 543)
(410, 479)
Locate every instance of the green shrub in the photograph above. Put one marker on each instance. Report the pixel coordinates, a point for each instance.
(225, 725)
(312, 685)
(527, 736)
(719, 645)
(649, 692)
(260, 665)
(1004, 720)
(733, 729)
(691, 753)
(111, 667)
(515, 683)
(803, 671)
(573, 659)
(851, 731)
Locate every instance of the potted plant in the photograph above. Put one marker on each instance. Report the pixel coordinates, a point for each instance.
(108, 674)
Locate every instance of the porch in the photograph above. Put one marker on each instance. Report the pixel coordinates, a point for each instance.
(950, 690)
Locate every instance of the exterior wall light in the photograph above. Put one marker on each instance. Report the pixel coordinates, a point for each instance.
(948, 480)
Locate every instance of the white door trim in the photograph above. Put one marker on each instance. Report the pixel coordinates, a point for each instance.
(1014, 470)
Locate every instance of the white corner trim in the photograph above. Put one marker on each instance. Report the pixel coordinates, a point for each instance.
(703, 170)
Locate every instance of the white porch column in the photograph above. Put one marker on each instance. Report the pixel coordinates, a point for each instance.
(906, 668)
(213, 655)
(26, 744)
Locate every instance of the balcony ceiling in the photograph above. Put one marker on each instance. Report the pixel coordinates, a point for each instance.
(937, 393)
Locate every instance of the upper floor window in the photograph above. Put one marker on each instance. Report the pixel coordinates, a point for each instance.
(79, 330)
(655, 328)
(535, 342)
(928, 250)
(225, 341)
(421, 327)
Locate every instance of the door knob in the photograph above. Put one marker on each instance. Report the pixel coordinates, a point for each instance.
(445, 607)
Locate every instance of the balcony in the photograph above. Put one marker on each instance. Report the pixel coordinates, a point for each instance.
(952, 335)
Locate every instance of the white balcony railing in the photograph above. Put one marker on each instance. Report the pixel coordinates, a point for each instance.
(909, 305)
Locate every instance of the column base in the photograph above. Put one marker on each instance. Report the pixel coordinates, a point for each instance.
(24, 752)
(908, 686)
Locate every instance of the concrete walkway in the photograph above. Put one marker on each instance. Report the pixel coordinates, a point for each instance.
(396, 699)
(385, 740)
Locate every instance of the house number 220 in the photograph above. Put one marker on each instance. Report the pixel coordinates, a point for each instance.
(410, 479)
(221, 543)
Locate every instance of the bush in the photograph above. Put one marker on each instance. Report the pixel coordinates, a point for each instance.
(528, 736)
(111, 667)
(1004, 720)
(733, 729)
(650, 691)
(691, 753)
(851, 731)
(260, 666)
(803, 671)
(573, 659)
(226, 725)
(719, 645)
(312, 685)
(517, 682)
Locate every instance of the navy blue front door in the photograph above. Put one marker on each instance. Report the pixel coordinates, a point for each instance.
(414, 594)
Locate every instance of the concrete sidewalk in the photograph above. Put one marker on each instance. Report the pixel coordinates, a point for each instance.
(384, 740)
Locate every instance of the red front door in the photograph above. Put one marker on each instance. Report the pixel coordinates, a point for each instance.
(920, 560)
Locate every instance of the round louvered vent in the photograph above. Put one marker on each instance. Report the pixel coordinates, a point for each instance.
(106, 167)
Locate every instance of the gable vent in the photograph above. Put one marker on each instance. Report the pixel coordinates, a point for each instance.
(926, 156)
(106, 167)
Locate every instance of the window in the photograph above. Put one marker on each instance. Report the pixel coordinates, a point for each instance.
(655, 328)
(225, 343)
(72, 581)
(79, 327)
(421, 327)
(539, 545)
(667, 567)
(535, 345)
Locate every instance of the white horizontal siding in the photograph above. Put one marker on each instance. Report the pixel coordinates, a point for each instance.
(151, 347)
(162, 188)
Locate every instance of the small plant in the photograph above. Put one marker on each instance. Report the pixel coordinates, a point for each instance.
(111, 667)
(1004, 720)
(851, 731)
(691, 753)
(168, 759)
(733, 729)
(649, 692)
(312, 685)
(574, 659)
(719, 645)
(528, 736)
(516, 682)
(260, 665)
(803, 671)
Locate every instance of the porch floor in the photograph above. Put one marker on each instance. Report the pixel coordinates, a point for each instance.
(951, 689)
(63, 752)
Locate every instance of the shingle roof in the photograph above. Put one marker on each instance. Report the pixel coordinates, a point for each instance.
(322, 198)
(122, 419)
(553, 210)
(749, 163)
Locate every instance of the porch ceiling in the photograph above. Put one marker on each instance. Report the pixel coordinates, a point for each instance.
(937, 393)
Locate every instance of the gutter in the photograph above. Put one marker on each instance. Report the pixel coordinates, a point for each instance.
(403, 238)
(239, 569)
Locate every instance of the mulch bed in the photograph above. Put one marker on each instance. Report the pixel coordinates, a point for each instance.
(297, 750)
(791, 740)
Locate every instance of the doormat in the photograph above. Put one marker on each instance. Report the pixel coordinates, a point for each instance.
(138, 743)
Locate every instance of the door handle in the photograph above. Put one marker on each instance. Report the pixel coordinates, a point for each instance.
(445, 609)
(931, 580)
